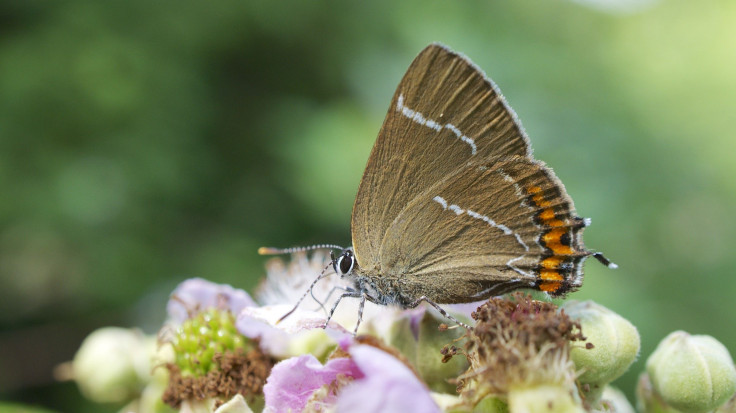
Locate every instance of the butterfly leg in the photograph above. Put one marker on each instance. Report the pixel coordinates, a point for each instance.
(360, 314)
(350, 293)
(332, 291)
(440, 309)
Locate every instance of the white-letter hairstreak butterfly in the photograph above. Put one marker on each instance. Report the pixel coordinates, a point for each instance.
(452, 207)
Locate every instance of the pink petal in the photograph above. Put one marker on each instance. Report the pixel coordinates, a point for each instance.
(293, 381)
(197, 294)
(388, 385)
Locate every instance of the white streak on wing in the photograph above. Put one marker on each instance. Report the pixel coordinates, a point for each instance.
(456, 209)
(420, 119)
(441, 201)
(434, 125)
(507, 177)
(459, 211)
(510, 263)
(499, 285)
(517, 188)
(462, 137)
(518, 238)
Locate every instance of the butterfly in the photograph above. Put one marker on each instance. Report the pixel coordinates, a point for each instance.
(452, 206)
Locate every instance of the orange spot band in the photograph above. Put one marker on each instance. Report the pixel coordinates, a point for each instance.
(550, 286)
(551, 262)
(552, 240)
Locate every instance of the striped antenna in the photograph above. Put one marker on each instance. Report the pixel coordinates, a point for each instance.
(278, 251)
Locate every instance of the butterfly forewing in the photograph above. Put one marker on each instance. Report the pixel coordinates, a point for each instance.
(444, 114)
(496, 225)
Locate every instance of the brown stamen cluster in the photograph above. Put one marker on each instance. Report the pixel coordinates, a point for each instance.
(237, 372)
(517, 342)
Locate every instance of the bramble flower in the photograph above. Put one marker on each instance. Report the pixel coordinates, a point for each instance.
(197, 294)
(520, 350)
(362, 375)
(301, 332)
(212, 361)
(285, 284)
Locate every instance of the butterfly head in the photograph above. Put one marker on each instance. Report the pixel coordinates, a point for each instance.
(344, 263)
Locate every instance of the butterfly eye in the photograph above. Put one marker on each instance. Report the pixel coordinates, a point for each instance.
(345, 263)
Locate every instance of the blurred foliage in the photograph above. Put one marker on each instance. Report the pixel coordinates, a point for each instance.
(145, 142)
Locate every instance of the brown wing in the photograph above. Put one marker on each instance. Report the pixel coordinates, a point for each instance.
(486, 229)
(444, 114)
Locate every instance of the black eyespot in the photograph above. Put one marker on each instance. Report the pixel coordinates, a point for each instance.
(345, 262)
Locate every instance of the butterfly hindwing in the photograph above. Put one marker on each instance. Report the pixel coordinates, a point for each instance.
(490, 227)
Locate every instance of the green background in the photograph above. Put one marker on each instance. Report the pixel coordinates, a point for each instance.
(144, 142)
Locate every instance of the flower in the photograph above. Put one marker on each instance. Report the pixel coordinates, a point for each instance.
(212, 360)
(301, 330)
(294, 382)
(196, 294)
(287, 284)
(520, 348)
(362, 375)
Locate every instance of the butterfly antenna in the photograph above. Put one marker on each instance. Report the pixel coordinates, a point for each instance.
(605, 261)
(322, 275)
(322, 306)
(278, 251)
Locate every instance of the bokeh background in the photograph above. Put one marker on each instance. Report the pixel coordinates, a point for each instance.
(144, 142)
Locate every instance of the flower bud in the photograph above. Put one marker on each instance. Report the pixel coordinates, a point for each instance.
(612, 344)
(647, 400)
(113, 364)
(416, 335)
(543, 398)
(692, 373)
(614, 400)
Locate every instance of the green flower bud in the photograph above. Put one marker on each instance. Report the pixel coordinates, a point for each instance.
(647, 400)
(547, 398)
(692, 373)
(113, 364)
(416, 335)
(615, 345)
(490, 404)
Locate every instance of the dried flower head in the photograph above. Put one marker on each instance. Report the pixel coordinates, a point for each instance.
(517, 343)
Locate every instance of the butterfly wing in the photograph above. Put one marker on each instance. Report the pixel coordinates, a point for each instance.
(496, 225)
(444, 114)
